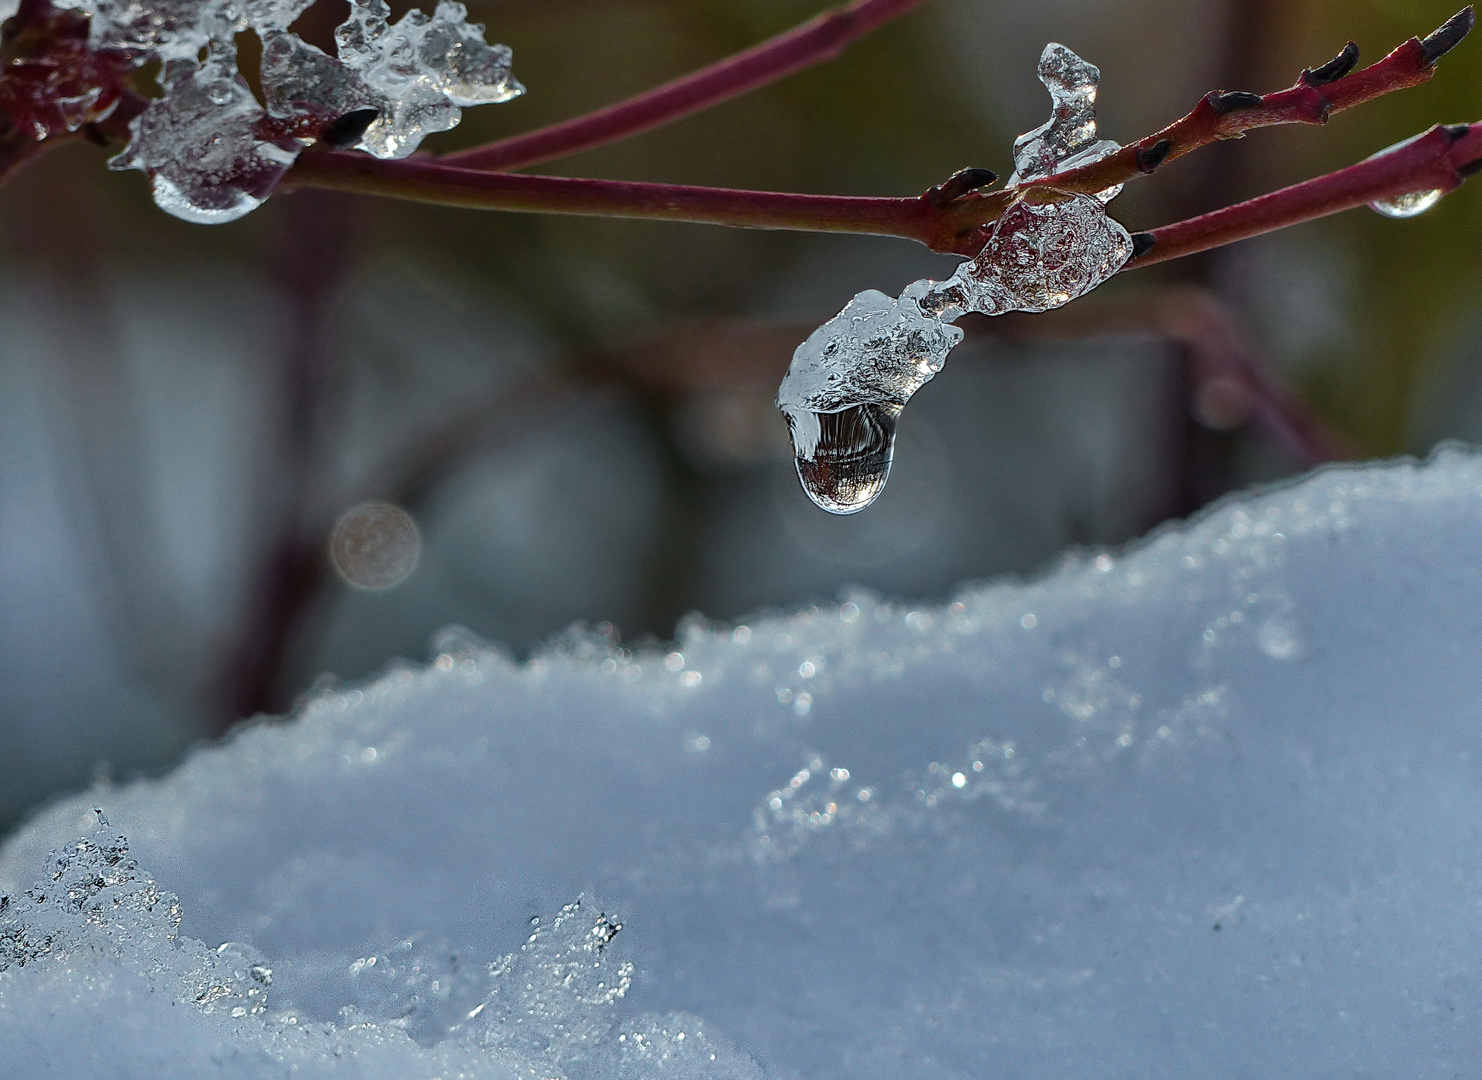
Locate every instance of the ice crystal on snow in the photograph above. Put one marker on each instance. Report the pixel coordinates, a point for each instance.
(849, 381)
(213, 154)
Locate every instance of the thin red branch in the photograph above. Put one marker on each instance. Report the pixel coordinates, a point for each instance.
(820, 39)
(1315, 96)
(1436, 161)
(432, 182)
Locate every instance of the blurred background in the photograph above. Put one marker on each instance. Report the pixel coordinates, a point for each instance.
(577, 413)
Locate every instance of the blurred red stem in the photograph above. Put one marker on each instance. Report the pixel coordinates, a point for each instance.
(1437, 160)
(818, 40)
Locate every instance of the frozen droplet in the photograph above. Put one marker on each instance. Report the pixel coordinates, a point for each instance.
(199, 144)
(374, 545)
(1408, 204)
(846, 387)
(843, 458)
(1068, 139)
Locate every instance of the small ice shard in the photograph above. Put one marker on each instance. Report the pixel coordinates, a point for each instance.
(1039, 255)
(846, 387)
(199, 144)
(161, 29)
(299, 80)
(93, 896)
(1068, 139)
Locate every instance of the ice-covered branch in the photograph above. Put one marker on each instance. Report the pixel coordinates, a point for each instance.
(1317, 94)
(1399, 182)
(818, 40)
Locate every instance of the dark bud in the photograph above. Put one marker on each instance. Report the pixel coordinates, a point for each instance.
(1448, 36)
(347, 130)
(1142, 243)
(1150, 157)
(1335, 68)
(1471, 168)
(960, 183)
(1224, 101)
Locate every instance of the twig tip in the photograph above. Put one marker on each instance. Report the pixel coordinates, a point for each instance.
(1142, 243)
(1448, 35)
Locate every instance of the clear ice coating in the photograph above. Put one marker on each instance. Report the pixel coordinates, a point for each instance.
(848, 383)
(212, 153)
(1068, 139)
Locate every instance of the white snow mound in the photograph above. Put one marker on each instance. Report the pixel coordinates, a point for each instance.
(1210, 808)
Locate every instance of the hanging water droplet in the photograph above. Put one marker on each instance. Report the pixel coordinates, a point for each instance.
(1411, 202)
(1408, 204)
(843, 457)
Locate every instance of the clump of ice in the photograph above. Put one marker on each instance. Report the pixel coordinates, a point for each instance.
(1201, 808)
(849, 381)
(213, 153)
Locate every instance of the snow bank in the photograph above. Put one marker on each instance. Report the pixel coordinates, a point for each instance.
(1209, 808)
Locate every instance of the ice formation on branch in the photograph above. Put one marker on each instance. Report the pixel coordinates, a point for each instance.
(213, 153)
(849, 381)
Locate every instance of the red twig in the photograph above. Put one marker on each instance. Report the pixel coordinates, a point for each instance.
(430, 181)
(1318, 93)
(820, 39)
(1437, 161)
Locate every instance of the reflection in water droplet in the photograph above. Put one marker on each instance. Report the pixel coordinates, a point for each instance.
(374, 545)
(843, 457)
(1408, 204)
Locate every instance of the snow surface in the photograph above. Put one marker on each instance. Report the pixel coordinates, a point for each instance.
(1209, 808)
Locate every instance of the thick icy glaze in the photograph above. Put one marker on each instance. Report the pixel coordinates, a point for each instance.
(212, 154)
(849, 381)
(846, 387)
